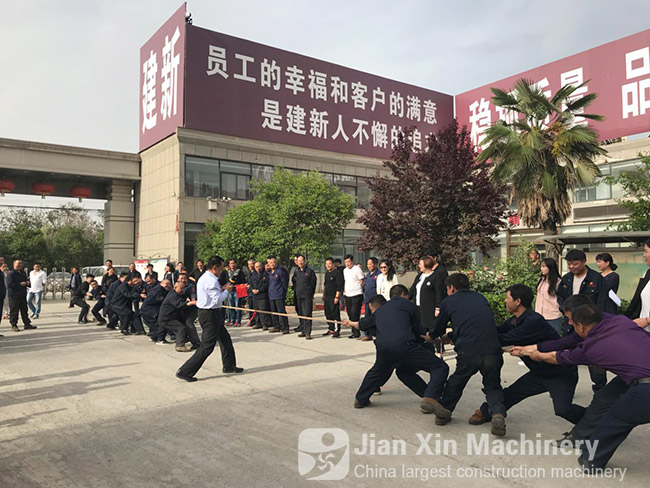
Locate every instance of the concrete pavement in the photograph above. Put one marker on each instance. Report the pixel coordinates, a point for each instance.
(85, 406)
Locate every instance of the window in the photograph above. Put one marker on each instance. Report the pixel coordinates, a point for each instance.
(602, 190)
(201, 177)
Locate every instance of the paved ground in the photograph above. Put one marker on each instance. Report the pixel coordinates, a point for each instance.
(84, 406)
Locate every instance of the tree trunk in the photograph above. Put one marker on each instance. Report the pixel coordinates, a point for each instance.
(553, 249)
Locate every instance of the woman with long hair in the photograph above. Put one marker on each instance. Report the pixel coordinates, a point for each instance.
(605, 263)
(546, 303)
(387, 279)
(170, 273)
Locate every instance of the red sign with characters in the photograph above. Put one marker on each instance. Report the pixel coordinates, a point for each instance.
(619, 72)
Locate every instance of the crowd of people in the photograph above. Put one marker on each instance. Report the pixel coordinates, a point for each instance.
(571, 320)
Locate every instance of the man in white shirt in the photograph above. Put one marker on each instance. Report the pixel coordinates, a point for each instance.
(210, 294)
(37, 280)
(353, 290)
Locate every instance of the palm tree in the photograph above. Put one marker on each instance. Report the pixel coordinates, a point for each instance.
(542, 154)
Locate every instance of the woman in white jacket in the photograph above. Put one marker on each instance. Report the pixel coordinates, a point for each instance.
(387, 279)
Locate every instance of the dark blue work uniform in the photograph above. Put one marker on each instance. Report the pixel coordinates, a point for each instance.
(304, 288)
(560, 381)
(399, 347)
(278, 286)
(477, 345)
(260, 282)
(99, 296)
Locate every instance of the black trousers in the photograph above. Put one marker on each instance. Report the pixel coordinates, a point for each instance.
(631, 409)
(85, 308)
(96, 309)
(353, 308)
(214, 331)
(261, 302)
(18, 304)
(306, 309)
(297, 304)
(407, 360)
(182, 332)
(489, 365)
(332, 312)
(598, 378)
(278, 306)
(601, 402)
(124, 315)
(250, 305)
(562, 388)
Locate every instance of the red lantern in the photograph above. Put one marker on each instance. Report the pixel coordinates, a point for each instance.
(6, 186)
(513, 220)
(80, 192)
(43, 189)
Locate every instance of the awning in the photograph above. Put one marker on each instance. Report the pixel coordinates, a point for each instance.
(637, 237)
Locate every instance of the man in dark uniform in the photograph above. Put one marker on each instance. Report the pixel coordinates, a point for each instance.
(98, 294)
(259, 287)
(332, 291)
(252, 316)
(75, 282)
(17, 283)
(400, 347)
(620, 346)
(370, 291)
(527, 327)
(582, 280)
(110, 293)
(151, 274)
(150, 310)
(278, 286)
(190, 313)
(477, 346)
(134, 273)
(305, 287)
(171, 316)
(79, 298)
(296, 304)
(3, 290)
(122, 302)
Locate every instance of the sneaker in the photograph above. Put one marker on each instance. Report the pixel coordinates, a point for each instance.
(336, 335)
(477, 418)
(308, 337)
(378, 392)
(183, 349)
(162, 343)
(228, 324)
(498, 425)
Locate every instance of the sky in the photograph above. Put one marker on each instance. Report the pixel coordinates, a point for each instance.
(69, 70)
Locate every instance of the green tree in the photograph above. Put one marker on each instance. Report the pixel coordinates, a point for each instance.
(24, 242)
(636, 189)
(543, 154)
(292, 212)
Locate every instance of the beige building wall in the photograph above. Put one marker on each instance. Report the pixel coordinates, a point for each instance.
(204, 144)
(158, 229)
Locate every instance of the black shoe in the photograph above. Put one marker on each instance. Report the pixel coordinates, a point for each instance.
(587, 466)
(82, 322)
(70, 306)
(182, 376)
(233, 370)
(103, 322)
(286, 331)
(363, 404)
(297, 329)
(302, 334)
(140, 332)
(125, 332)
(569, 440)
(195, 346)
(352, 336)
(336, 335)
(29, 326)
(327, 333)
(111, 327)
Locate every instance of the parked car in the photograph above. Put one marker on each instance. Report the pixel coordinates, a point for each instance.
(57, 282)
(98, 271)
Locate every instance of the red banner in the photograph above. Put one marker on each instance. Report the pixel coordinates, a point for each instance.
(619, 72)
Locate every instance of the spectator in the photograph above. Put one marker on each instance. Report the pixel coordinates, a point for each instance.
(546, 304)
(37, 283)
